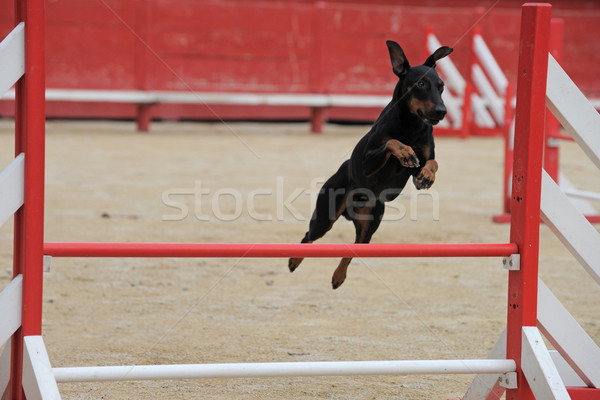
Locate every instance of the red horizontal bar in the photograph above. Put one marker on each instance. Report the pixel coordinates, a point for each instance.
(580, 393)
(274, 250)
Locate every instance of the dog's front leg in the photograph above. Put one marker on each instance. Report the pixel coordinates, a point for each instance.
(376, 159)
(404, 153)
(425, 178)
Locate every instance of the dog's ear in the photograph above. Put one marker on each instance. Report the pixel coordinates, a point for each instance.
(438, 54)
(400, 64)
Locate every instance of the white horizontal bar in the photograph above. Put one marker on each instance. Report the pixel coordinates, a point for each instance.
(581, 194)
(291, 369)
(10, 308)
(272, 99)
(12, 58)
(580, 203)
(313, 100)
(113, 96)
(350, 100)
(573, 110)
(12, 188)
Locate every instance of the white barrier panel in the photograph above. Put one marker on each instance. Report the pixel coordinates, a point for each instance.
(480, 112)
(292, 369)
(573, 110)
(12, 190)
(568, 337)
(537, 365)
(5, 357)
(483, 386)
(570, 227)
(12, 58)
(489, 63)
(568, 376)
(494, 102)
(579, 350)
(38, 380)
(454, 107)
(10, 308)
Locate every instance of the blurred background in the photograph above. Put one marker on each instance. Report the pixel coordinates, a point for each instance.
(275, 46)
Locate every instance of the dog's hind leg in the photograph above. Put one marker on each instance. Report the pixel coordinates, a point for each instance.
(366, 221)
(331, 203)
(294, 262)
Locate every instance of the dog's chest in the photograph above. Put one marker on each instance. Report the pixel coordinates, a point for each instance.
(390, 180)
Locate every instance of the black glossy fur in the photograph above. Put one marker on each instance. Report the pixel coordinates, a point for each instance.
(398, 146)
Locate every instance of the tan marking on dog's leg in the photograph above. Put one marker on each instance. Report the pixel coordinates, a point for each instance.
(427, 176)
(405, 154)
(432, 165)
(341, 210)
(426, 150)
(339, 274)
(294, 262)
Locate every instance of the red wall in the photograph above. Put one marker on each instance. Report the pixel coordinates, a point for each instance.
(276, 46)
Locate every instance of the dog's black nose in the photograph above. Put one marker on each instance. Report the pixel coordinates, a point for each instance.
(440, 111)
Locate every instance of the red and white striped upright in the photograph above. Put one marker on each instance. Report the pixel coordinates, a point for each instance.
(23, 58)
(526, 182)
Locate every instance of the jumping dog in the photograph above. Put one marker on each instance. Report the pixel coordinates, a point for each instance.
(398, 146)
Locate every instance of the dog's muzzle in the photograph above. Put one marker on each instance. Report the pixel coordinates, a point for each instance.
(435, 117)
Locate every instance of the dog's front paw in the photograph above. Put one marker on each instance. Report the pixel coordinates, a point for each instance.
(405, 154)
(426, 177)
(424, 180)
(407, 157)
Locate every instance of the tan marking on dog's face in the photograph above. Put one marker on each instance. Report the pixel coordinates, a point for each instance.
(415, 105)
(426, 107)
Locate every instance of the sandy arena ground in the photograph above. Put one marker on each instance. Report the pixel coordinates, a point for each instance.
(250, 182)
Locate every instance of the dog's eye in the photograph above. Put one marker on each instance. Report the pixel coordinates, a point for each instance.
(420, 84)
(441, 89)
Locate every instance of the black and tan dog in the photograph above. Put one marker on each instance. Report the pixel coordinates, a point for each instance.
(398, 146)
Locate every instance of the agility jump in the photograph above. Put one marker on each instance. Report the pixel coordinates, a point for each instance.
(526, 369)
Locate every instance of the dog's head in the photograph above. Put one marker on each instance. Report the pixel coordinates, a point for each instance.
(420, 87)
